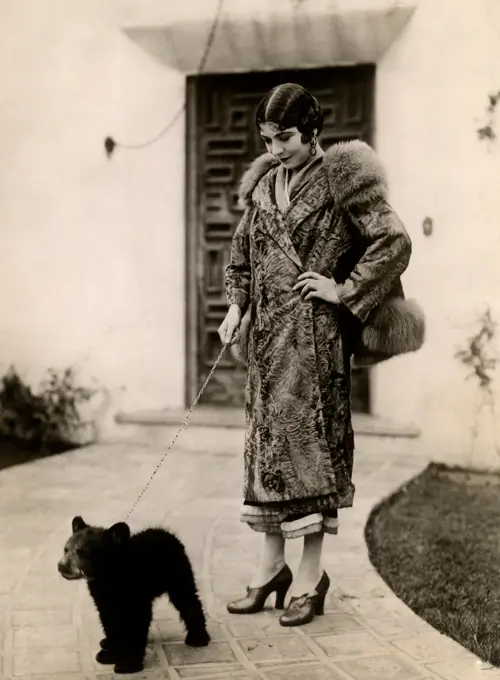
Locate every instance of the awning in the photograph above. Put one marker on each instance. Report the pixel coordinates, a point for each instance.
(256, 35)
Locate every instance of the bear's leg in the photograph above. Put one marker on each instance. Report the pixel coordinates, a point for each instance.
(184, 597)
(107, 655)
(133, 637)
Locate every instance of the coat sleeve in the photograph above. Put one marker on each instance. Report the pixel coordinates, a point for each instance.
(237, 272)
(358, 184)
(385, 259)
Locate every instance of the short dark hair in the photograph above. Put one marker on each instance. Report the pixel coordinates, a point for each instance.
(291, 105)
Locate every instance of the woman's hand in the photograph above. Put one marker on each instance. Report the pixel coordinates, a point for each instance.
(227, 329)
(314, 285)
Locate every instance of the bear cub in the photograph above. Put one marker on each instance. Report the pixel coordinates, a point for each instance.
(125, 573)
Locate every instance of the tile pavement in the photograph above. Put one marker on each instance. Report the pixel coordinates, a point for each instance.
(49, 628)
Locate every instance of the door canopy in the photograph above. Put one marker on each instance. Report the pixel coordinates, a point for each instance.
(259, 35)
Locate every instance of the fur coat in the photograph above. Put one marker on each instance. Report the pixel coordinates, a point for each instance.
(299, 440)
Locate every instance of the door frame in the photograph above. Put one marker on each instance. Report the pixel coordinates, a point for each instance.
(192, 258)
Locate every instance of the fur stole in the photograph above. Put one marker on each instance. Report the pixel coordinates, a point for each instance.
(355, 174)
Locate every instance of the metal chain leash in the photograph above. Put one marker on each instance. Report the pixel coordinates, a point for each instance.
(183, 425)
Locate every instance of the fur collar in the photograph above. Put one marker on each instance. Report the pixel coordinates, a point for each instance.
(355, 174)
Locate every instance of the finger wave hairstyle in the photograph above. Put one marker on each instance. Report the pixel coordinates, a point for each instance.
(291, 105)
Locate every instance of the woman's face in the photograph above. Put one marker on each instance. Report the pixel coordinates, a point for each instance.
(286, 145)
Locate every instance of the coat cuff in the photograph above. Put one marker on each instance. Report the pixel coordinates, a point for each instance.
(347, 296)
(238, 297)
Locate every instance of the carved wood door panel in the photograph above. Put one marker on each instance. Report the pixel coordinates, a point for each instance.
(221, 143)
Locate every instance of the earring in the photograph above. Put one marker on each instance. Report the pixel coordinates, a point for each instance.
(313, 146)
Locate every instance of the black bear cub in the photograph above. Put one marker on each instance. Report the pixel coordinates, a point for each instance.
(125, 573)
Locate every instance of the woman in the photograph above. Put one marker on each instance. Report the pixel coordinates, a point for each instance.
(317, 249)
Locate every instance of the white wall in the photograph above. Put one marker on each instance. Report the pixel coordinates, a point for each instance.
(431, 97)
(92, 250)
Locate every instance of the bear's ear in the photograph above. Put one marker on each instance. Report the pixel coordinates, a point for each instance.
(78, 524)
(119, 532)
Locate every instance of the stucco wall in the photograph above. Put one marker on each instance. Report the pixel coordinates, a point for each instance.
(432, 91)
(92, 250)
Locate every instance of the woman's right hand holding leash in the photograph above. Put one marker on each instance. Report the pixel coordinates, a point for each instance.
(227, 329)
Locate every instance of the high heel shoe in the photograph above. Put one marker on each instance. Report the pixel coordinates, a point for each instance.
(303, 609)
(255, 598)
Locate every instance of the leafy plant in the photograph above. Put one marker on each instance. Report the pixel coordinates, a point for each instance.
(49, 418)
(487, 131)
(478, 355)
(481, 359)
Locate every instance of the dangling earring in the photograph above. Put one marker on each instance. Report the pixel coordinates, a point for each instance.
(313, 143)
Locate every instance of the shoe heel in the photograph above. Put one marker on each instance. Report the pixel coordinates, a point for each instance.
(319, 609)
(280, 596)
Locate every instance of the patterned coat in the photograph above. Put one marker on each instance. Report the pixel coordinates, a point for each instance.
(299, 441)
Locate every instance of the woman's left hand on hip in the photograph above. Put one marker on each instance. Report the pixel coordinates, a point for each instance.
(314, 285)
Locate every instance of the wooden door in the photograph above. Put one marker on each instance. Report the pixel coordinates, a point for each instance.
(221, 142)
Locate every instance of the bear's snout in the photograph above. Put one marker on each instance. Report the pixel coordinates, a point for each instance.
(67, 571)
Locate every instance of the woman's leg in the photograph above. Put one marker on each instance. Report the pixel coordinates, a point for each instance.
(310, 569)
(311, 581)
(272, 560)
(272, 576)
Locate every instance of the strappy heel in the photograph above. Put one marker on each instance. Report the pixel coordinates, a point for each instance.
(255, 598)
(303, 609)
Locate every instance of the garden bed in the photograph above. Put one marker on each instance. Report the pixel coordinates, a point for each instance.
(14, 452)
(436, 543)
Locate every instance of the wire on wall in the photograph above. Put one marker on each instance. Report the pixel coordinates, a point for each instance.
(110, 143)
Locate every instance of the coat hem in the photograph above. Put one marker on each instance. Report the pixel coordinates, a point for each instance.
(305, 505)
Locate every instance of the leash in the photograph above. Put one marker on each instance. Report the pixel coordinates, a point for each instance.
(183, 425)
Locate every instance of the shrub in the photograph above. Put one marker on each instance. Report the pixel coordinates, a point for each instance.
(49, 418)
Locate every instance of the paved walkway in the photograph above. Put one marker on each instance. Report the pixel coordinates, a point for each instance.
(50, 630)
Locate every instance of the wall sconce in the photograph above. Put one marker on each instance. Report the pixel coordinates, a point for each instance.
(427, 226)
